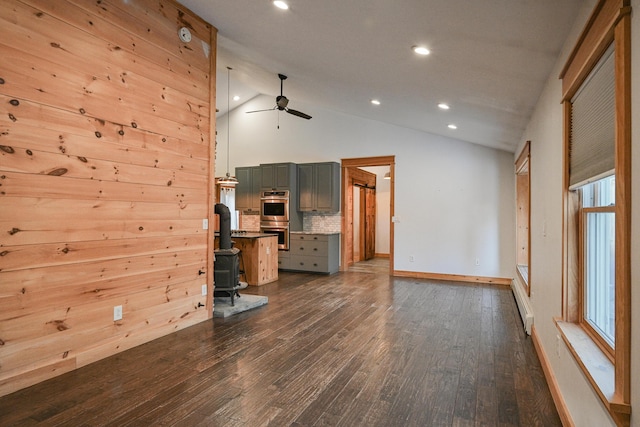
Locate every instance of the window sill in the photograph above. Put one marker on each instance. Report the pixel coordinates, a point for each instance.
(523, 272)
(597, 368)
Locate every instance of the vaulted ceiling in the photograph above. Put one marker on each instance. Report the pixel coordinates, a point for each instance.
(489, 59)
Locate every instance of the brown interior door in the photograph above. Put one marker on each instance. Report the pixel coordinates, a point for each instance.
(369, 223)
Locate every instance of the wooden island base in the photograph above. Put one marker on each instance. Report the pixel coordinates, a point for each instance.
(258, 257)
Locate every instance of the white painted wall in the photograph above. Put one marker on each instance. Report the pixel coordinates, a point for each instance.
(454, 200)
(545, 133)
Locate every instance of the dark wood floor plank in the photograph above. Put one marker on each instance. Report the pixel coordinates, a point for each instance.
(357, 348)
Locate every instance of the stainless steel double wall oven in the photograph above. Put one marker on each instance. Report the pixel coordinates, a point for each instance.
(274, 215)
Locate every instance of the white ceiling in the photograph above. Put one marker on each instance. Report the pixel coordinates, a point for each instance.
(489, 59)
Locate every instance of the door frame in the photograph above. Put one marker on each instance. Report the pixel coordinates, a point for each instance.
(348, 165)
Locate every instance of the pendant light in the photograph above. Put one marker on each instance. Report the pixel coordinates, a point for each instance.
(228, 180)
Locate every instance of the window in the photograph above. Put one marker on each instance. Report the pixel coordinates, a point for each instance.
(523, 216)
(596, 90)
(598, 249)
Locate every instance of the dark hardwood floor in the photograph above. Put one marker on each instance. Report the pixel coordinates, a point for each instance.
(357, 348)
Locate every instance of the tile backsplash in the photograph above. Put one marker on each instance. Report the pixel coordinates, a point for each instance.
(250, 222)
(312, 222)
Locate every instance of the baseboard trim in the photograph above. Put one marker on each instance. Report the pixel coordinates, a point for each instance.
(453, 277)
(558, 400)
(381, 255)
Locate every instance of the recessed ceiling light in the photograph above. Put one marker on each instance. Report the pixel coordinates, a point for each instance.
(452, 126)
(236, 98)
(281, 5)
(421, 50)
(443, 106)
(375, 102)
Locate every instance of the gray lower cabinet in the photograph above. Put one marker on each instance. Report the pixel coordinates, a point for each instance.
(284, 260)
(317, 253)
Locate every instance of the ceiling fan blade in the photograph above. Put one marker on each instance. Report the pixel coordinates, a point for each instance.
(298, 113)
(260, 111)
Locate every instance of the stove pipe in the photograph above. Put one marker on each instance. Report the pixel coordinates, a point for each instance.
(225, 225)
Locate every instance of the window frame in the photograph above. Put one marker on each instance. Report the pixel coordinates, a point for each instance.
(598, 339)
(523, 168)
(609, 23)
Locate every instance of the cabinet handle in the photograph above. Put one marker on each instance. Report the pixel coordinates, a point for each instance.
(315, 249)
(315, 238)
(301, 248)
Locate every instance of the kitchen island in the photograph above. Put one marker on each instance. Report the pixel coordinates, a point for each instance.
(258, 256)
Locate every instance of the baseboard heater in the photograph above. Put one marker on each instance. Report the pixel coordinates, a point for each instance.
(524, 307)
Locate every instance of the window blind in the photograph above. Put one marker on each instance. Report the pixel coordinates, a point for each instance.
(593, 114)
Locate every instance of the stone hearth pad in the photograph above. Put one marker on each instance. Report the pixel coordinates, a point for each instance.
(222, 305)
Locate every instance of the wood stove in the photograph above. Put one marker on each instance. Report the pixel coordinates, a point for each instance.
(226, 266)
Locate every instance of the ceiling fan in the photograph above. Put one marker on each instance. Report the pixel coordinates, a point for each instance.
(282, 102)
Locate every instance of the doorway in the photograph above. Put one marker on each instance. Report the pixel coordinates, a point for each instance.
(364, 222)
(351, 176)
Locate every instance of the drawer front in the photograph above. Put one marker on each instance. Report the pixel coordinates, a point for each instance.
(309, 248)
(309, 263)
(308, 237)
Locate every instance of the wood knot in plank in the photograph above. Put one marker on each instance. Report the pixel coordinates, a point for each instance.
(121, 132)
(82, 159)
(65, 250)
(12, 117)
(14, 231)
(60, 325)
(55, 45)
(169, 184)
(1, 341)
(1, 81)
(14, 102)
(65, 354)
(82, 111)
(134, 125)
(141, 228)
(29, 152)
(58, 172)
(98, 134)
(7, 149)
(4, 253)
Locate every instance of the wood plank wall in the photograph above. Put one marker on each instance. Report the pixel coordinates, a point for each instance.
(105, 179)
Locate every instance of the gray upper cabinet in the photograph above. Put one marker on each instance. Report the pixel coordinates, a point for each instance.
(319, 187)
(248, 189)
(278, 176)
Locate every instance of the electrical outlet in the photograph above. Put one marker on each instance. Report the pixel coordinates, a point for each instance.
(477, 261)
(205, 224)
(117, 313)
(411, 258)
(204, 289)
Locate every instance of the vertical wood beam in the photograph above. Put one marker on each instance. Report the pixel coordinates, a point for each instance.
(211, 199)
(623, 208)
